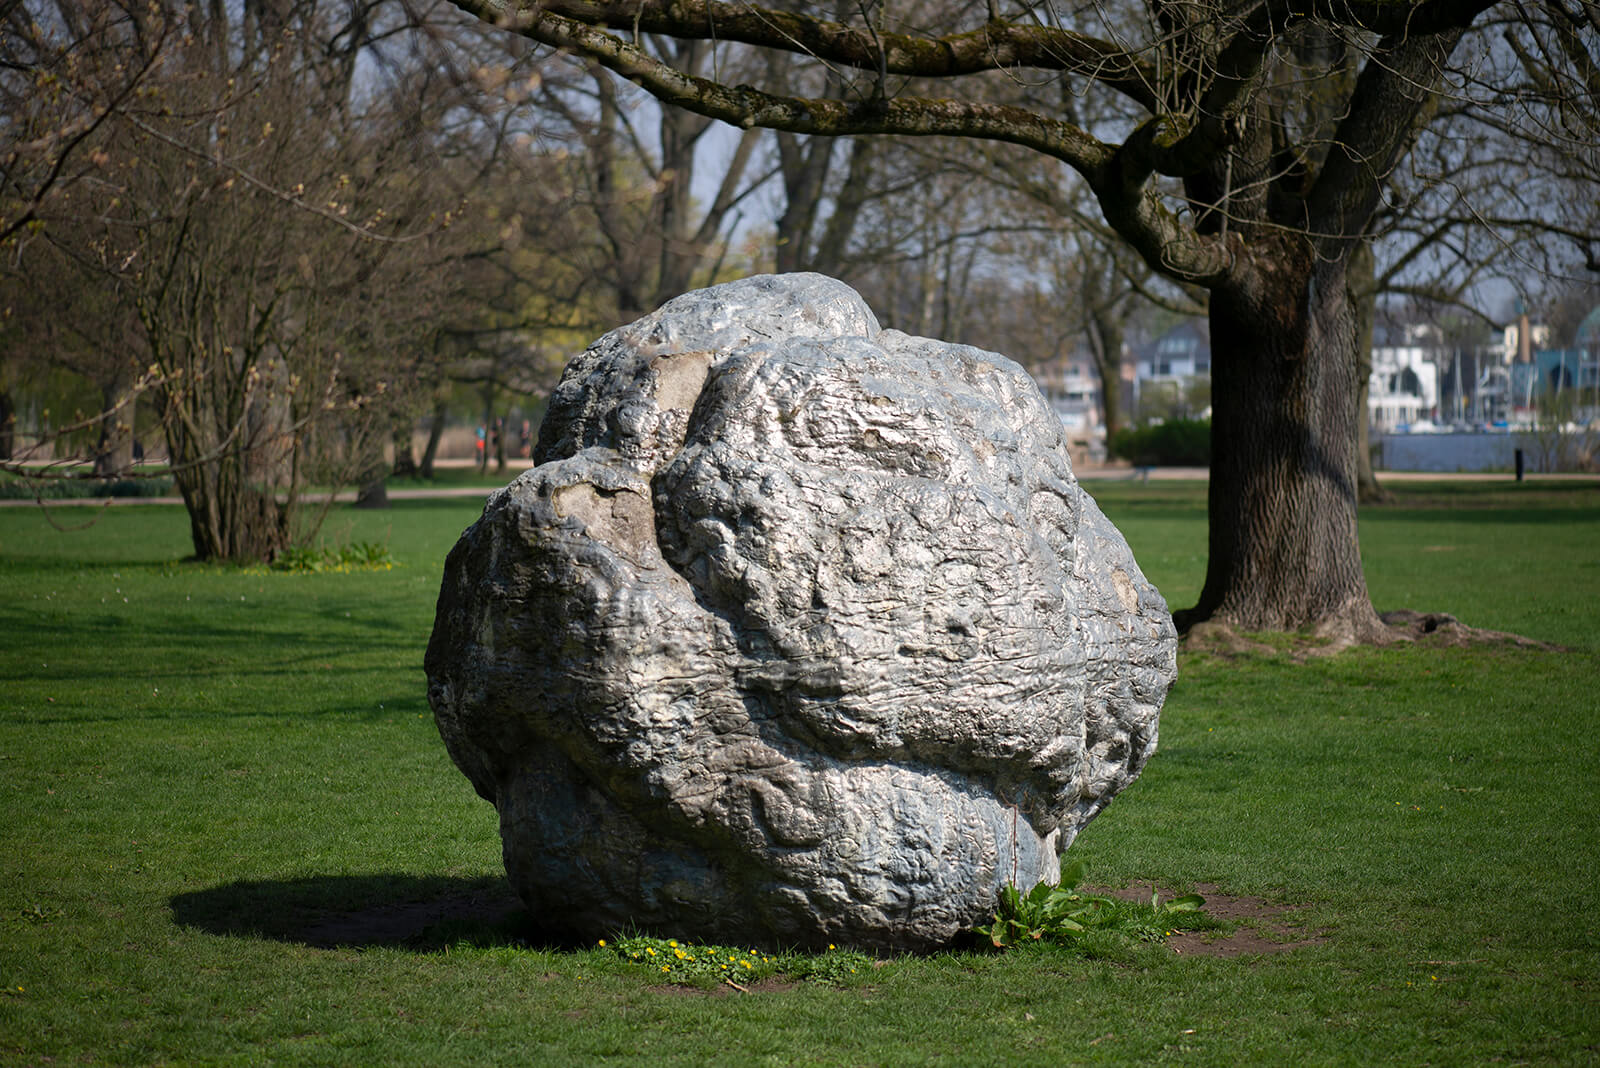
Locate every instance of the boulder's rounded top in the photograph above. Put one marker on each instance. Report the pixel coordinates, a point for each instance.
(761, 308)
(621, 391)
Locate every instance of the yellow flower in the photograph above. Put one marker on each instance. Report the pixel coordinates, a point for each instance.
(650, 951)
(673, 943)
(666, 968)
(678, 953)
(602, 941)
(830, 944)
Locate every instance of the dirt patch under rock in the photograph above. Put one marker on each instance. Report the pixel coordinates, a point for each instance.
(1259, 926)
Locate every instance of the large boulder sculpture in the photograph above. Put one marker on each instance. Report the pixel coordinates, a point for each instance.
(800, 631)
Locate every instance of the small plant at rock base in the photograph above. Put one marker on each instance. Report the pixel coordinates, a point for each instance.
(1062, 913)
(679, 962)
(836, 967)
(1045, 913)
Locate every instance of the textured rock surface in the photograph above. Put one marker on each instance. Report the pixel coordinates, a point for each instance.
(800, 631)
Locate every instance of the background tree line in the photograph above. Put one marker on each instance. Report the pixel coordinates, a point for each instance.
(275, 233)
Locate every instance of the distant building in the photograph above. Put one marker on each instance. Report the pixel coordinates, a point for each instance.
(1547, 373)
(1172, 375)
(1073, 390)
(1403, 390)
(1183, 352)
(1511, 339)
(1532, 372)
(1586, 344)
(1587, 336)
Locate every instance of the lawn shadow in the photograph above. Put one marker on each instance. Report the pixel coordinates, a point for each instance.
(425, 914)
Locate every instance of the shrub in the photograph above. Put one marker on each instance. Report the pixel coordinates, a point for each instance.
(1174, 443)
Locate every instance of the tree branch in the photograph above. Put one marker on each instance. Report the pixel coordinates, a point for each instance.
(994, 46)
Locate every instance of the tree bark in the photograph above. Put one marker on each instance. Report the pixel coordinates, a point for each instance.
(243, 526)
(1105, 333)
(113, 451)
(1284, 554)
(1111, 401)
(405, 456)
(430, 452)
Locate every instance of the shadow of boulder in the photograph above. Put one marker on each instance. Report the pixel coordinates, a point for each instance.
(425, 913)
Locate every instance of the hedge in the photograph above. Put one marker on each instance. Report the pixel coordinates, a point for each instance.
(1174, 443)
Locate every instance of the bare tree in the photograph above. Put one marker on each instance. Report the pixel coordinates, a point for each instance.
(633, 176)
(254, 254)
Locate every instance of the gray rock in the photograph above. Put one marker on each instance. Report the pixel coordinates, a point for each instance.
(800, 631)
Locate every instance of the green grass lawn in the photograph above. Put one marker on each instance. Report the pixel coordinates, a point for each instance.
(203, 771)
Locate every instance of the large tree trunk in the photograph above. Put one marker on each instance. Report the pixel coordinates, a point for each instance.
(1105, 346)
(232, 523)
(374, 491)
(1111, 403)
(1283, 552)
(233, 518)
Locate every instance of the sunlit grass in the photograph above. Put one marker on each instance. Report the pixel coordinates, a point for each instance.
(208, 777)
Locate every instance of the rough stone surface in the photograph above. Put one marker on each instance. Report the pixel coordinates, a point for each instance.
(800, 631)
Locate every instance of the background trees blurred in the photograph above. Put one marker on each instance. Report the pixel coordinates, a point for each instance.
(270, 240)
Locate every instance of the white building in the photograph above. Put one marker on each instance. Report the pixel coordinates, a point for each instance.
(1403, 390)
